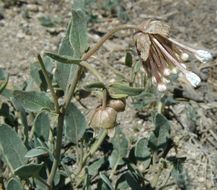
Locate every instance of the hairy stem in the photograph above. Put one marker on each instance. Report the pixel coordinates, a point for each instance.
(93, 50)
(68, 98)
(93, 149)
(57, 152)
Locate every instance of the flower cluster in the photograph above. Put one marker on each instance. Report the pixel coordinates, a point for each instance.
(160, 54)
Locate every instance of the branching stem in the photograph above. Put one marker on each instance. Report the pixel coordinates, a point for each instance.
(68, 98)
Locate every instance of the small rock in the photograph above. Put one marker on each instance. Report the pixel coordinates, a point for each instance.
(20, 35)
(32, 7)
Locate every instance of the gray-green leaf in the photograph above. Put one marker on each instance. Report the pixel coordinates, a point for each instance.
(119, 88)
(35, 152)
(28, 170)
(14, 184)
(33, 101)
(78, 33)
(160, 136)
(63, 58)
(12, 147)
(42, 125)
(75, 124)
(120, 145)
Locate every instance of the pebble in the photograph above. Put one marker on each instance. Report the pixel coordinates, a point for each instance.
(20, 35)
(32, 7)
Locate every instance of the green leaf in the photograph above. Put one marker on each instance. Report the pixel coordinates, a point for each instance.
(74, 44)
(63, 71)
(3, 79)
(158, 140)
(121, 183)
(63, 58)
(142, 151)
(42, 125)
(95, 166)
(24, 120)
(120, 149)
(78, 33)
(106, 180)
(14, 184)
(46, 21)
(128, 59)
(87, 182)
(36, 152)
(178, 172)
(33, 101)
(94, 86)
(38, 77)
(133, 181)
(119, 88)
(28, 170)
(75, 123)
(12, 147)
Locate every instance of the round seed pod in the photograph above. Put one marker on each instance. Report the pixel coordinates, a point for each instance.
(117, 105)
(104, 118)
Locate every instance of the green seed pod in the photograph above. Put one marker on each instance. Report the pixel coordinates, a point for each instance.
(104, 118)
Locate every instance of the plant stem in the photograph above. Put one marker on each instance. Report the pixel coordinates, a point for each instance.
(92, 70)
(93, 50)
(43, 181)
(93, 149)
(49, 83)
(95, 146)
(67, 101)
(57, 152)
(107, 36)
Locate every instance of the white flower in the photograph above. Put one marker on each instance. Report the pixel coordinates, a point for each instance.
(192, 78)
(203, 55)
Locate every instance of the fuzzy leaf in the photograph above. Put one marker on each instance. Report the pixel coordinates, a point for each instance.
(63, 58)
(63, 71)
(75, 124)
(14, 184)
(78, 33)
(120, 149)
(35, 152)
(42, 125)
(94, 167)
(119, 88)
(28, 170)
(160, 136)
(74, 44)
(33, 101)
(142, 150)
(12, 148)
(106, 180)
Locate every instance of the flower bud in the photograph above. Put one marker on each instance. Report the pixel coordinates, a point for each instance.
(117, 105)
(104, 118)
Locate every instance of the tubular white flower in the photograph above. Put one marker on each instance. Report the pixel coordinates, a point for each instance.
(192, 78)
(203, 55)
